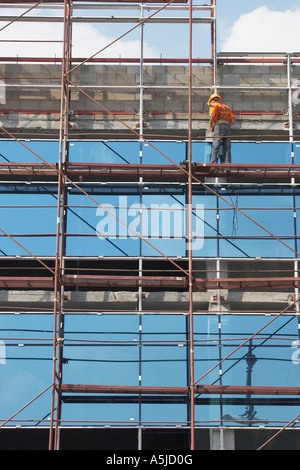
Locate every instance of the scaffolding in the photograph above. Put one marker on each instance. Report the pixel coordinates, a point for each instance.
(205, 285)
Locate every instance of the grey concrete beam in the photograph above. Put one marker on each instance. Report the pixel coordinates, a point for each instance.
(178, 302)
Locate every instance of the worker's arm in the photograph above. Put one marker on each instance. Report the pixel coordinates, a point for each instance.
(211, 121)
(232, 121)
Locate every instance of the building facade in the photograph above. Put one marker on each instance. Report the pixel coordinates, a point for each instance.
(149, 299)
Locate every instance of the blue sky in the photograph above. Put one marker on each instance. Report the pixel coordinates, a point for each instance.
(234, 30)
(255, 25)
(233, 9)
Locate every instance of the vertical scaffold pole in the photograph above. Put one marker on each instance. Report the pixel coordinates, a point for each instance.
(57, 313)
(213, 44)
(190, 253)
(291, 141)
(140, 289)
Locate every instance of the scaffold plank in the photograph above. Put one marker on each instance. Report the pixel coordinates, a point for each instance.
(248, 390)
(200, 389)
(27, 2)
(158, 282)
(109, 171)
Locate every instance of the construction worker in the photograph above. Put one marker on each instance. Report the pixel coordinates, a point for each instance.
(221, 119)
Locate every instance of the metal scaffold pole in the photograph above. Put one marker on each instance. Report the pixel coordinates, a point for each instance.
(213, 44)
(140, 288)
(60, 241)
(190, 252)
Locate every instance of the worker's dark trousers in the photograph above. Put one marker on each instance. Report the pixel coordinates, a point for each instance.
(222, 130)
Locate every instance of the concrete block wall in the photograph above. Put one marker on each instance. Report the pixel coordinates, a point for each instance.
(258, 95)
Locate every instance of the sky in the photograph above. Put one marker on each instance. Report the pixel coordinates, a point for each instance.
(241, 26)
(259, 26)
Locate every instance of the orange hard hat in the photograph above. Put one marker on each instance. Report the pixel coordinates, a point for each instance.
(215, 95)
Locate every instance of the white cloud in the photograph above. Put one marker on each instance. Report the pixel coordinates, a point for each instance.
(265, 30)
(87, 40)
